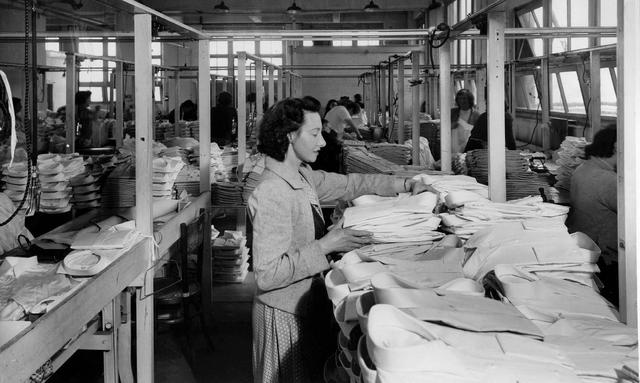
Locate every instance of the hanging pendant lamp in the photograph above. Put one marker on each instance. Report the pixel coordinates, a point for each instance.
(371, 7)
(293, 9)
(435, 4)
(221, 8)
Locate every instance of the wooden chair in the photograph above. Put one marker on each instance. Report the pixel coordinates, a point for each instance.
(178, 295)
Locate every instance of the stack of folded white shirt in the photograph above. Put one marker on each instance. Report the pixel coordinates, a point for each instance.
(189, 129)
(409, 219)
(569, 158)
(468, 213)
(230, 256)
(86, 191)
(396, 153)
(165, 172)
(406, 349)
(54, 184)
(15, 181)
(445, 184)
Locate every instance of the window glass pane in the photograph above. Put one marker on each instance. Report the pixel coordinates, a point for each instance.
(528, 20)
(270, 48)
(527, 97)
(157, 94)
(90, 48)
(156, 49)
(572, 92)
(307, 43)
(607, 94)
(579, 43)
(342, 43)
(111, 49)
(244, 46)
(367, 43)
(558, 13)
(52, 44)
(556, 98)
(96, 93)
(156, 61)
(558, 45)
(111, 64)
(580, 13)
(219, 65)
(275, 60)
(218, 48)
(608, 13)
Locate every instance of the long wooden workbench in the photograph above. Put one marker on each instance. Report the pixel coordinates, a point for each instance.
(74, 323)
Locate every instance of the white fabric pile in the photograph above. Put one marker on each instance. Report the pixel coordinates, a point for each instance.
(54, 172)
(426, 158)
(230, 256)
(410, 219)
(165, 172)
(15, 181)
(189, 129)
(569, 158)
(467, 213)
(86, 191)
(164, 130)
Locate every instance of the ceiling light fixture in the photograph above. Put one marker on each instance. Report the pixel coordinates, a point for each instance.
(222, 7)
(435, 4)
(371, 7)
(293, 9)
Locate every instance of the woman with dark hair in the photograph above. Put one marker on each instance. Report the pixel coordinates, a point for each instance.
(463, 118)
(330, 105)
(594, 203)
(223, 116)
(291, 313)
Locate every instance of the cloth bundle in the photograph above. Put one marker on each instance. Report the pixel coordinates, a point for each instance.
(396, 153)
(478, 164)
(189, 129)
(15, 181)
(54, 172)
(164, 130)
(468, 214)
(165, 173)
(405, 220)
(569, 158)
(230, 256)
(86, 191)
(445, 184)
(360, 160)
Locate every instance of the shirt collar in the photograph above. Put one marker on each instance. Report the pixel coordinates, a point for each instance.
(292, 177)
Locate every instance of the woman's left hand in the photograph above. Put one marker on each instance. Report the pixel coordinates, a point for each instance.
(417, 187)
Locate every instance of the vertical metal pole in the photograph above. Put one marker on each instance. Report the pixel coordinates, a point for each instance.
(496, 112)
(242, 107)
(401, 118)
(259, 90)
(270, 87)
(70, 109)
(119, 128)
(144, 197)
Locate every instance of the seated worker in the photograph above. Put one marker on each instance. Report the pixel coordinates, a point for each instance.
(85, 118)
(223, 116)
(479, 138)
(188, 112)
(329, 156)
(339, 120)
(594, 204)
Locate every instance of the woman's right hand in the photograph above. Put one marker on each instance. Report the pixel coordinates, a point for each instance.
(344, 240)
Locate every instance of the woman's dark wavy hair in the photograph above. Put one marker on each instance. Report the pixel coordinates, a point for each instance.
(284, 117)
(466, 93)
(603, 143)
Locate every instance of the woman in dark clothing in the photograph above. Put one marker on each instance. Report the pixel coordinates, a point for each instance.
(480, 136)
(223, 116)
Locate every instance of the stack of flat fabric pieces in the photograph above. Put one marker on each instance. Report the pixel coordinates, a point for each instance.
(396, 153)
(227, 193)
(252, 174)
(410, 171)
(410, 219)
(448, 183)
(189, 129)
(54, 172)
(353, 143)
(569, 158)
(478, 164)
(189, 180)
(86, 191)
(360, 160)
(165, 172)
(119, 189)
(230, 256)
(14, 178)
(469, 213)
(177, 151)
(527, 183)
(164, 131)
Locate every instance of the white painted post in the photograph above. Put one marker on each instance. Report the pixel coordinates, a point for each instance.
(628, 159)
(271, 86)
(144, 197)
(415, 108)
(495, 112)
(259, 90)
(176, 105)
(401, 103)
(242, 107)
(70, 109)
(445, 106)
(119, 128)
(595, 108)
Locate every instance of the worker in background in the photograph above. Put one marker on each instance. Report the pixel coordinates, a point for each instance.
(594, 204)
(330, 105)
(292, 314)
(340, 121)
(479, 138)
(224, 119)
(84, 118)
(463, 118)
(357, 98)
(188, 112)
